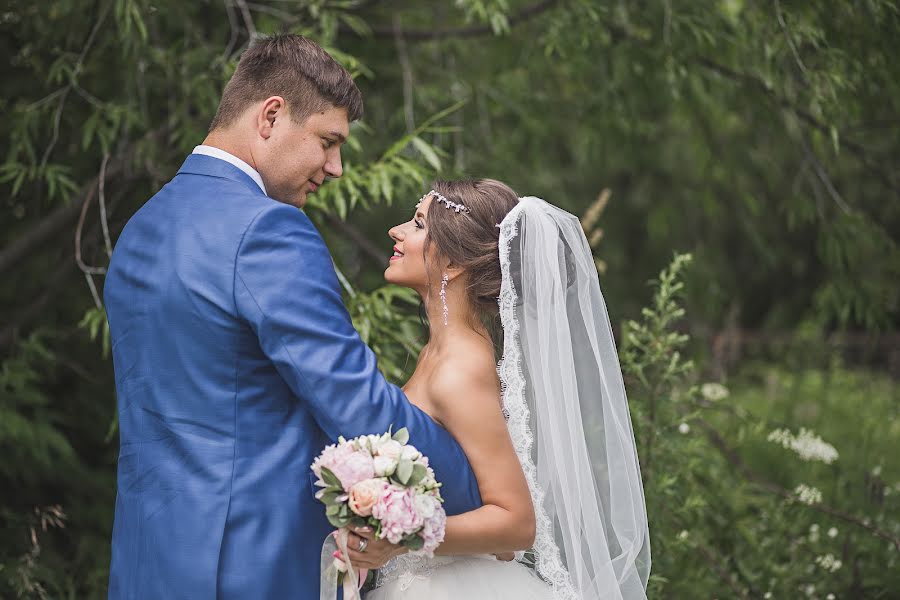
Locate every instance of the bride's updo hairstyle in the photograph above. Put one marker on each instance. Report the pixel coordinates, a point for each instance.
(470, 240)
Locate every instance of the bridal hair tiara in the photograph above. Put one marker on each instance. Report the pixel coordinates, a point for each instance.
(447, 203)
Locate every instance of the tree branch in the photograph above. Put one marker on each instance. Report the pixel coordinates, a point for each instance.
(855, 148)
(370, 249)
(49, 226)
(426, 35)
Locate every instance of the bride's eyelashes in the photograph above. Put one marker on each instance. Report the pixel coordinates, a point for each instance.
(419, 224)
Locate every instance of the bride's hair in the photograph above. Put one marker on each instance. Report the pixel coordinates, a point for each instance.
(470, 239)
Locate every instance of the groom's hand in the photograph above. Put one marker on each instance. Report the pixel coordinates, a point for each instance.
(378, 552)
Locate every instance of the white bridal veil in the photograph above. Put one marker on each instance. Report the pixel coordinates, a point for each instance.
(568, 415)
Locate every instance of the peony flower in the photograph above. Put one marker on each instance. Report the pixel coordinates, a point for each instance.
(356, 467)
(426, 505)
(331, 456)
(364, 495)
(433, 526)
(397, 512)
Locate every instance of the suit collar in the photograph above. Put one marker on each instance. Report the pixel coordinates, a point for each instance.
(200, 164)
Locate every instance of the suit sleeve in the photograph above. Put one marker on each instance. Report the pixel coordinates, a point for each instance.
(286, 288)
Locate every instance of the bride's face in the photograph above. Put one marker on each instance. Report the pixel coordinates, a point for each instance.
(408, 266)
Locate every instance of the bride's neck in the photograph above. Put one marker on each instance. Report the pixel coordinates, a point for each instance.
(461, 319)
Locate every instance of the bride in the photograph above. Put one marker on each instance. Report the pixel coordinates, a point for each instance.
(548, 433)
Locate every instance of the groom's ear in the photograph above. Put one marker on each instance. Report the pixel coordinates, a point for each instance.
(272, 109)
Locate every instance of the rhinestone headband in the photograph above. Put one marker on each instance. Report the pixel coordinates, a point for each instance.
(447, 203)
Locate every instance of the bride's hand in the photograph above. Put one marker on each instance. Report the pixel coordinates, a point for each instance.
(378, 552)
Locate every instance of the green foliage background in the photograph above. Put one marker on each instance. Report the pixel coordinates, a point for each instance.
(761, 137)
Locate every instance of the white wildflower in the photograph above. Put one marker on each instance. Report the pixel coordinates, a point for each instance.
(684, 428)
(832, 533)
(806, 444)
(876, 471)
(810, 589)
(767, 595)
(829, 597)
(683, 535)
(808, 494)
(714, 391)
(829, 563)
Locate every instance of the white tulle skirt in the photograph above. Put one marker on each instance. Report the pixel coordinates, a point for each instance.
(458, 578)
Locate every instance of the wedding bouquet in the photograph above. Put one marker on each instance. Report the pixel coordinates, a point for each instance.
(384, 482)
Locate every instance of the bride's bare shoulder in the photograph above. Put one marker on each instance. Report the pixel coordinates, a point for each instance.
(465, 373)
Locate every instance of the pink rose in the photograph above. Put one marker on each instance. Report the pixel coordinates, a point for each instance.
(397, 512)
(365, 494)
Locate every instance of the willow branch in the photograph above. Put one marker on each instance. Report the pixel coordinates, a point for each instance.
(406, 70)
(426, 35)
(371, 250)
(855, 148)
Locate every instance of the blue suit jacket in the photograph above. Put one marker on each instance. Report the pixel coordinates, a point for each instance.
(236, 363)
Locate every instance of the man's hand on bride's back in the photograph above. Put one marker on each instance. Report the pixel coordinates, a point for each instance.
(377, 552)
(506, 556)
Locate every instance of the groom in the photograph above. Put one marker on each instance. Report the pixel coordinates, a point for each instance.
(235, 359)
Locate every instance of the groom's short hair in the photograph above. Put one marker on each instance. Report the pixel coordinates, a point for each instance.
(295, 68)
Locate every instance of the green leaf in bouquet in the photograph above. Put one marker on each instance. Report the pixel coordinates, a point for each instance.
(357, 521)
(418, 474)
(337, 521)
(414, 542)
(330, 478)
(332, 510)
(344, 511)
(404, 471)
(402, 435)
(330, 498)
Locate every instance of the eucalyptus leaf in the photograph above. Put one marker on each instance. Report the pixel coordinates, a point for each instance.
(404, 471)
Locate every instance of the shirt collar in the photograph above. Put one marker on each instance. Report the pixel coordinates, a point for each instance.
(232, 159)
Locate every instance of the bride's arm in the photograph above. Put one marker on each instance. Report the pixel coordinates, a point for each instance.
(466, 398)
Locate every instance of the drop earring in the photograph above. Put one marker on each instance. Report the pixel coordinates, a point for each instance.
(444, 280)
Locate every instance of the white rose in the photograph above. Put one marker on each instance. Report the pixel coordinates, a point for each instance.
(409, 453)
(385, 466)
(390, 449)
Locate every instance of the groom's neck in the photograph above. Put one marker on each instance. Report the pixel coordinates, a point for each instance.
(230, 142)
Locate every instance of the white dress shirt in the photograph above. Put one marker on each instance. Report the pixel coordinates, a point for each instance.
(231, 158)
